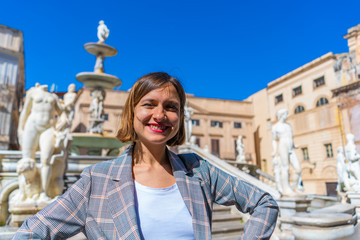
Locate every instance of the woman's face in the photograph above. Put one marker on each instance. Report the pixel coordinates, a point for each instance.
(157, 116)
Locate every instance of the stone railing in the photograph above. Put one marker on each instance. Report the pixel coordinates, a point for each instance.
(226, 167)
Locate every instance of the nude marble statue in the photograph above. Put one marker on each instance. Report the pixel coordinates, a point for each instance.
(284, 154)
(102, 32)
(37, 130)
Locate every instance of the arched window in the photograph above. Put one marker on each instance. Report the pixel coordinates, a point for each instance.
(322, 101)
(299, 109)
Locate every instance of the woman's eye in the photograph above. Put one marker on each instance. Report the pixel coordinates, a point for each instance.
(147, 105)
(172, 108)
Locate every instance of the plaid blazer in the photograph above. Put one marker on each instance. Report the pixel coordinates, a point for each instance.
(102, 202)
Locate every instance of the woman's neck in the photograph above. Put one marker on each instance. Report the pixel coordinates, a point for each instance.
(149, 155)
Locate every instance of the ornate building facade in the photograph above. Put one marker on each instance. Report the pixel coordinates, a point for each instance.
(322, 99)
(12, 84)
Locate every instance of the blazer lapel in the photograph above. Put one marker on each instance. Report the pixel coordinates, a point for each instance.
(121, 195)
(190, 186)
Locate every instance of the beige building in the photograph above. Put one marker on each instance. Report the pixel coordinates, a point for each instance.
(216, 123)
(318, 119)
(12, 84)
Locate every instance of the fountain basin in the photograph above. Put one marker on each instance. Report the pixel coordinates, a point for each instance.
(95, 80)
(100, 48)
(95, 143)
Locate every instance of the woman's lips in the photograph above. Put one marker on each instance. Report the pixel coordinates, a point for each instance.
(158, 128)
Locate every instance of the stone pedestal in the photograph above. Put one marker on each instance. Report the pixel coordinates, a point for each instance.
(323, 226)
(20, 211)
(289, 206)
(354, 198)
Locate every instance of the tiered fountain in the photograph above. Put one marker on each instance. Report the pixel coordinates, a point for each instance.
(95, 140)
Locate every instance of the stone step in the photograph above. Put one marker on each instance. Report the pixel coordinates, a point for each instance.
(225, 217)
(227, 236)
(220, 208)
(227, 227)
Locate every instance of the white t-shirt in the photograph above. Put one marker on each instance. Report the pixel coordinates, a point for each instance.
(162, 213)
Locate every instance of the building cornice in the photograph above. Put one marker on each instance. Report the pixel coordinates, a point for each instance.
(346, 88)
(352, 32)
(302, 69)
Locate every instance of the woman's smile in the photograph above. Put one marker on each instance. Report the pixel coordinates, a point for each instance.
(159, 128)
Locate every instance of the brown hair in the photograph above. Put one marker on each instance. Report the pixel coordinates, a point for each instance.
(142, 87)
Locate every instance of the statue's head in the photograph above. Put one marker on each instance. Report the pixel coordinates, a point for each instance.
(101, 22)
(44, 87)
(282, 114)
(71, 88)
(350, 137)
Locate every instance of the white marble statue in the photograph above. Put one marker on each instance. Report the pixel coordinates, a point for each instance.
(283, 148)
(352, 156)
(68, 105)
(188, 111)
(29, 181)
(97, 103)
(240, 150)
(102, 32)
(37, 130)
(346, 179)
(341, 167)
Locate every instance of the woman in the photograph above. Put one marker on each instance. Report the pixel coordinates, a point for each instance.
(149, 192)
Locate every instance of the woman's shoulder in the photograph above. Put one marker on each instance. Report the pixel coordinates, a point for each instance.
(193, 161)
(105, 166)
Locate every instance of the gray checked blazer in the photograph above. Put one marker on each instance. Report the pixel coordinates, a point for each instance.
(102, 203)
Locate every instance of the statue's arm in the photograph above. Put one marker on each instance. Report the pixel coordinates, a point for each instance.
(24, 114)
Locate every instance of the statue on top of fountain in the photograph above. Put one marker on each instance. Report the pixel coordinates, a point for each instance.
(102, 32)
(284, 155)
(38, 129)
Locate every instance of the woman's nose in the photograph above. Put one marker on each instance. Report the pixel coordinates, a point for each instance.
(159, 114)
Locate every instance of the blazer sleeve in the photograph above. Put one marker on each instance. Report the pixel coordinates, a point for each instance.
(263, 209)
(64, 217)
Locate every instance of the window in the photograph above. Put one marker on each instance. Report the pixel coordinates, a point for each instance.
(4, 127)
(299, 109)
(329, 151)
(197, 141)
(319, 82)
(215, 147)
(296, 91)
(217, 124)
(106, 117)
(237, 124)
(278, 98)
(195, 122)
(322, 101)
(305, 153)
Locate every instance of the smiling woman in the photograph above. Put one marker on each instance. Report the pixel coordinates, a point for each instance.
(150, 192)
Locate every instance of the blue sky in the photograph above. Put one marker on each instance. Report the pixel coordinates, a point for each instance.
(220, 49)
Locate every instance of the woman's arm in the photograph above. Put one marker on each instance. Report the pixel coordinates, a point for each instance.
(64, 217)
(263, 209)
